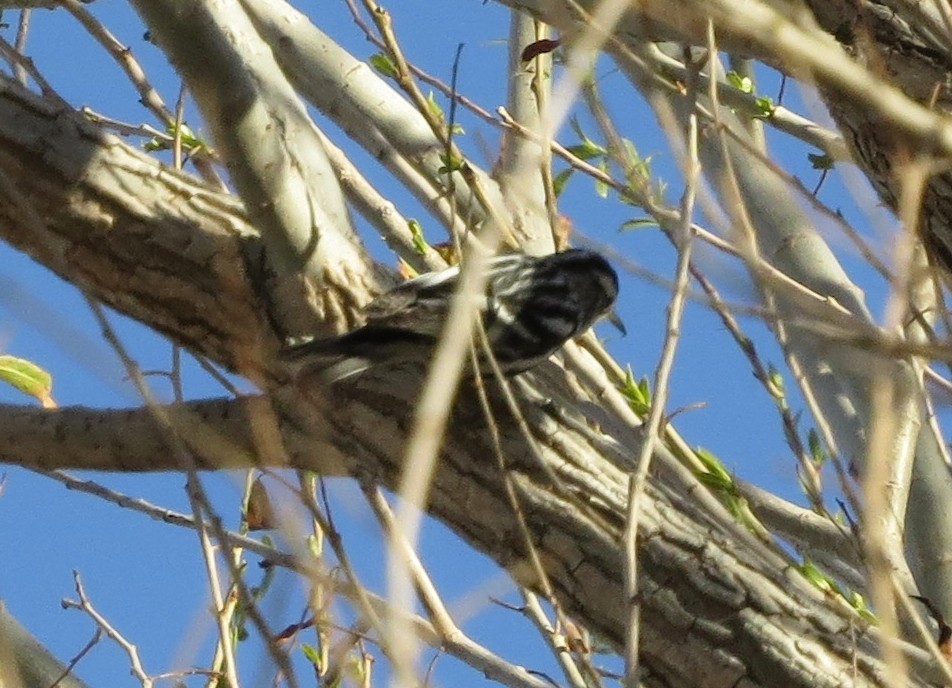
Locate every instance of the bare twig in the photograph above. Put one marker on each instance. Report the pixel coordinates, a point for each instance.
(85, 605)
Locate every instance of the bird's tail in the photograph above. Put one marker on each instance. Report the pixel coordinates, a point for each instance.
(326, 361)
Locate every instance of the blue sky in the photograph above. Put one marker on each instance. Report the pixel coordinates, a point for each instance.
(146, 576)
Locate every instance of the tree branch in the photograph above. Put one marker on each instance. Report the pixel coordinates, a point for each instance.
(711, 591)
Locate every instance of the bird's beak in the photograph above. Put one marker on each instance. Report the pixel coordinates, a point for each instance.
(612, 317)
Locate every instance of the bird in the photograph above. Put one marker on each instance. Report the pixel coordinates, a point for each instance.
(530, 307)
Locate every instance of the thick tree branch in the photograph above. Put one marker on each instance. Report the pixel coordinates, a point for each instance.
(720, 607)
(712, 592)
(151, 242)
(321, 274)
(885, 101)
(883, 69)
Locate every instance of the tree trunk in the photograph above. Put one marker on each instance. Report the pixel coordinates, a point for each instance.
(719, 606)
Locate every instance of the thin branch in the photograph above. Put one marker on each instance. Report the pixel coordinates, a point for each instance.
(452, 638)
(197, 497)
(85, 605)
(692, 170)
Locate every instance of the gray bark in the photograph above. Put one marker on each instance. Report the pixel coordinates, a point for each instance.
(720, 607)
(25, 663)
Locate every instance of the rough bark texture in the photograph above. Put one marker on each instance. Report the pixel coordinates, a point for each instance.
(149, 241)
(717, 602)
(904, 44)
(720, 607)
(910, 52)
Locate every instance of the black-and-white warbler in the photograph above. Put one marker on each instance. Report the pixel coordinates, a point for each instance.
(530, 307)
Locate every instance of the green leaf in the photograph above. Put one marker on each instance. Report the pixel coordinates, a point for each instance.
(637, 223)
(587, 150)
(644, 388)
(434, 107)
(717, 475)
(710, 480)
(631, 150)
(776, 384)
(744, 83)
(827, 584)
(819, 579)
(451, 163)
(747, 517)
(190, 140)
(858, 602)
(816, 447)
(765, 107)
(312, 655)
(601, 188)
(154, 144)
(384, 65)
(638, 393)
(420, 244)
(437, 111)
(577, 127)
(561, 179)
(29, 378)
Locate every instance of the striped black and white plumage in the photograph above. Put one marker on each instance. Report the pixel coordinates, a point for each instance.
(530, 307)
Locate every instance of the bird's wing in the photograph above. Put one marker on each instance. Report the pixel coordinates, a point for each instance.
(429, 286)
(428, 297)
